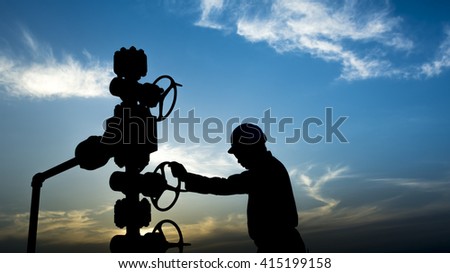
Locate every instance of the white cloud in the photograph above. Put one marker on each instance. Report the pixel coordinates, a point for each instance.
(42, 75)
(328, 32)
(335, 213)
(360, 36)
(205, 160)
(61, 227)
(212, 234)
(328, 215)
(315, 184)
(85, 228)
(210, 8)
(211, 227)
(441, 61)
(441, 186)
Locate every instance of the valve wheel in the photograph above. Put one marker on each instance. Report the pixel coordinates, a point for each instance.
(173, 85)
(180, 244)
(176, 189)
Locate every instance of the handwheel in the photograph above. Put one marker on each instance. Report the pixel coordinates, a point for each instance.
(173, 85)
(176, 189)
(180, 244)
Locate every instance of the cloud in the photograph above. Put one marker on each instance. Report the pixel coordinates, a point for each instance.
(206, 160)
(442, 59)
(327, 215)
(413, 183)
(314, 185)
(359, 213)
(86, 231)
(379, 198)
(361, 36)
(39, 74)
(60, 229)
(213, 234)
(391, 210)
(90, 230)
(209, 9)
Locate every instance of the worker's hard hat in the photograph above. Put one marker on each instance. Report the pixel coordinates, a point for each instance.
(246, 135)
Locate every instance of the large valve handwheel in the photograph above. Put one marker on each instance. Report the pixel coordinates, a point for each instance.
(172, 86)
(180, 244)
(177, 189)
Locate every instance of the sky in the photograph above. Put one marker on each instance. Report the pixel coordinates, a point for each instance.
(353, 96)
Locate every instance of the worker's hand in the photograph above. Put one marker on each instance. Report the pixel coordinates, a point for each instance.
(178, 170)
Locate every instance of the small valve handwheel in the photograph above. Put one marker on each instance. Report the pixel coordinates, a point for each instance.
(173, 85)
(176, 189)
(180, 244)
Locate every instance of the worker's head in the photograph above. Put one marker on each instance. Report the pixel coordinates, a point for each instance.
(247, 142)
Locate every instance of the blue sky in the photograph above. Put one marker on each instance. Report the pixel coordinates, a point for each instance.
(384, 66)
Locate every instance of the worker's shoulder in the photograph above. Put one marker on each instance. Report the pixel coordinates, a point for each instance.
(274, 162)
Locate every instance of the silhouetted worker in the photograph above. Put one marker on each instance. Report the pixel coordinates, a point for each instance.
(271, 211)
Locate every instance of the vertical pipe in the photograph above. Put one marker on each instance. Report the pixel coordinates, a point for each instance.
(36, 184)
(34, 213)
